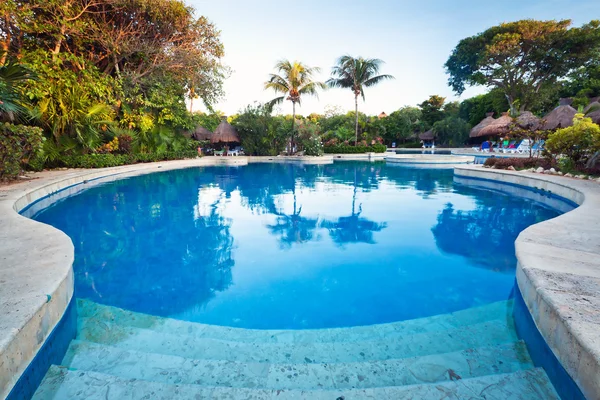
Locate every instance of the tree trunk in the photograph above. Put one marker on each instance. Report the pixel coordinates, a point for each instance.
(356, 121)
(293, 127)
(59, 41)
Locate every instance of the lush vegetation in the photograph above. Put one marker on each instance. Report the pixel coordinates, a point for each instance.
(524, 59)
(18, 143)
(90, 71)
(106, 83)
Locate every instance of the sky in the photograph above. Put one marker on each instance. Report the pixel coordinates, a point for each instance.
(413, 38)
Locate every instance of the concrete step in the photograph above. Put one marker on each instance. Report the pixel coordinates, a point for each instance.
(483, 334)
(131, 364)
(63, 383)
(91, 313)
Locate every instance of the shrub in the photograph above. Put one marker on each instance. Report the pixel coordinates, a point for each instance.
(114, 160)
(520, 163)
(347, 149)
(577, 142)
(18, 143)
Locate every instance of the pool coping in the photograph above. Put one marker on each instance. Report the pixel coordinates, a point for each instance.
(558, 271)
(32, 303)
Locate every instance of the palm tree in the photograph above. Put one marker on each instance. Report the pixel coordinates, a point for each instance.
(356, 74)
(12, 75)
(294, 80)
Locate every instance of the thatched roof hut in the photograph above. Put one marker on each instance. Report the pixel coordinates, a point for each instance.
(529, 121)
(382, 115)
(429, 135)
(225, 133)
(476, 131)
(500, 126)
(560, 117)
(593, 110)
(201, 133)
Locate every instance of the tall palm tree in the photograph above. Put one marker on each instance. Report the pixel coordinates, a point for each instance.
(356, 74)
(293, 80)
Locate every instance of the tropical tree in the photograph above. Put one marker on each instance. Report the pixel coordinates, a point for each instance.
(522, 58)
(293, 80)
(356, 74)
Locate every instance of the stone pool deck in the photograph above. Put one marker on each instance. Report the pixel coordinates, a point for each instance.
(558, 272)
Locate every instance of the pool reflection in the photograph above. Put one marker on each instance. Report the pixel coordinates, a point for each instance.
(268, 245)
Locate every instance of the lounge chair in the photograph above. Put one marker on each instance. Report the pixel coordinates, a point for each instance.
(485, 147)
(219, 152)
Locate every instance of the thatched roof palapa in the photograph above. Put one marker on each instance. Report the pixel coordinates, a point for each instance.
(476, 130)
(429, 135)
(528, 121)
(201, 133)
(225, 133)
(500, 126)
(560, 117)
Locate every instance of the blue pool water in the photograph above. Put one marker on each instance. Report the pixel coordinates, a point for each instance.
(294, 247)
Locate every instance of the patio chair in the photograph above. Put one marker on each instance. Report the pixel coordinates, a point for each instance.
(219, 153)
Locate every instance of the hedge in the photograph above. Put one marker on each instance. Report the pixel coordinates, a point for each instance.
(347, 149)
(18, 143)
(114, 160)
(519, 163)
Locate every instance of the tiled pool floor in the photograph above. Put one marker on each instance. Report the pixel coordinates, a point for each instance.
(472, 354)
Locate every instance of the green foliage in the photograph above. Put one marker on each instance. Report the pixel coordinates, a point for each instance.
(577, 143)
(432, 110)
(18, 144)
(521, 57)
(261, 133)
(102, 65)
(208, 121)
(473, 110)
(114, 160)
(309, 139)
(402, 124)
(12, 100)
(451, 131)
(347, 149)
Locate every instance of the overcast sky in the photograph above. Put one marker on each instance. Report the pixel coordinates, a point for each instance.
(414, 38)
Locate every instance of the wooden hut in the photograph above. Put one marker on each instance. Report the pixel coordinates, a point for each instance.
(427, 136)
(560, 117)
(500, 126)
(476, 131)
(201, 133)
(225, 133)
(528, 121)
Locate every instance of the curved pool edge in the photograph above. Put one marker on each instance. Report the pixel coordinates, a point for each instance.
(35, 302)
(558, 271)
(36, 275)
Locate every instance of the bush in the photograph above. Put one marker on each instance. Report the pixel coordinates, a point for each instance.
(577, 143)
(114, 160)
(347, 149)
(18, 143)
(520, 163)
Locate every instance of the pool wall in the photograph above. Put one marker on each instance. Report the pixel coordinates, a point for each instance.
(558, 271)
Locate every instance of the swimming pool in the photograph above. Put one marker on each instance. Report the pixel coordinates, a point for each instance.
(276, 246)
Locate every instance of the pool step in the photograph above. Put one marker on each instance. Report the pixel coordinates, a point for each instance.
(130, 364)
(63, 383)
(93, 313)
(484, 334)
